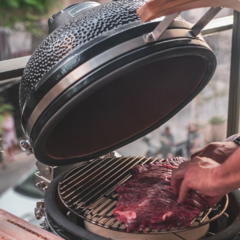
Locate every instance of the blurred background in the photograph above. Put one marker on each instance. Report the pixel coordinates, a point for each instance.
(23, 26)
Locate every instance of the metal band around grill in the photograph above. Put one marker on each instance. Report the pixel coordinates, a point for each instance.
(94, 63)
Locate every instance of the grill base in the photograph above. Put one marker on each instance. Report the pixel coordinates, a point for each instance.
(72, 231)
(193, 234)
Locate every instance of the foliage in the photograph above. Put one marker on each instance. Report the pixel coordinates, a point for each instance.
(27, 12)
(217, 120)
(201, 126)
(5, 107)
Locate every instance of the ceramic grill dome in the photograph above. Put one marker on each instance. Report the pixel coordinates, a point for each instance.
(75, 33)
(95, 85)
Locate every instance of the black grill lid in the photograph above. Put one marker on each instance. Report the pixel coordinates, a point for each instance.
(68, 13)
(110, 90)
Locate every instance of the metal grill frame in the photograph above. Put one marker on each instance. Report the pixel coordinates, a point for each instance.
(109, 194)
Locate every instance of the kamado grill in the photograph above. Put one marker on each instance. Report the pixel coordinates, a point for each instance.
(100, 80)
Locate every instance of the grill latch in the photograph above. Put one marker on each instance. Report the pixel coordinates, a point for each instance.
(25, 145)
(40, 210)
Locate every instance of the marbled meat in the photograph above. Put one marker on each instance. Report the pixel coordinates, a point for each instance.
(147, 199)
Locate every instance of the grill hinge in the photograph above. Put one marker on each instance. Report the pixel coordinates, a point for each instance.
(47, 173)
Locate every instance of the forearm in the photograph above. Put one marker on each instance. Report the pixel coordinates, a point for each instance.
(227, 175)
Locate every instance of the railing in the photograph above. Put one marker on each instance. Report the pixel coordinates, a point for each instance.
(11, 70)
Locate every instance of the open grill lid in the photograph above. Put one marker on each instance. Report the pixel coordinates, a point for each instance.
(95, 84)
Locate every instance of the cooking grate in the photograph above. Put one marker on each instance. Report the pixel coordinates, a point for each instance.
(89, 191)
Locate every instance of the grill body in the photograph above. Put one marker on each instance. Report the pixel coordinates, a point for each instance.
(74, 225)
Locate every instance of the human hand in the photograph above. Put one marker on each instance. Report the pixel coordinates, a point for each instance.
(218, 151)
(198, 174)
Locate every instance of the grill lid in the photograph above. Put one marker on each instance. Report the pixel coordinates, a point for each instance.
(93, 86)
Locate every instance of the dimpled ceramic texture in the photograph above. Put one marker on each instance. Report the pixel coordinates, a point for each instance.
(79, 30)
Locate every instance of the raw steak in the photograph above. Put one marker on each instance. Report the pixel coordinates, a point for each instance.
(147, 199)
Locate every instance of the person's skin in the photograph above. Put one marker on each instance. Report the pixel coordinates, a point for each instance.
(207, 175)
(218, 151)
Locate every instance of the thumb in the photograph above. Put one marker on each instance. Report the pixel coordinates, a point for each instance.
(213, 200)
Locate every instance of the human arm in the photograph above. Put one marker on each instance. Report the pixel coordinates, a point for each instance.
(158, 8)
(218, 151)
(208, 177)
(228, 173)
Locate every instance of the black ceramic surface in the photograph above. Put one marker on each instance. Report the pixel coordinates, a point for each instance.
(82, 28)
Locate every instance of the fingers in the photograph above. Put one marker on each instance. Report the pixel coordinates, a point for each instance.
(196, 159)
(183, 192)
(198, 153)
(177, 177)
(179, 185)
(213, 200)
(175, 185)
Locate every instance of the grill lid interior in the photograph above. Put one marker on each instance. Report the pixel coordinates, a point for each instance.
(125, 107)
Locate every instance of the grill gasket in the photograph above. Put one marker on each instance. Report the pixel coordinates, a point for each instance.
(97, 169)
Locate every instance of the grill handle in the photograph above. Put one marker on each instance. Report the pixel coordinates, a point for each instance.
(158, 8)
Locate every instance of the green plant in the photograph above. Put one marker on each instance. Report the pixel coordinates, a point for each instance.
(27, 12)
(201, 126)
(5, 107)
(217, 120)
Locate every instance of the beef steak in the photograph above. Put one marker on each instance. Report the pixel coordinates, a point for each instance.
(147, 199)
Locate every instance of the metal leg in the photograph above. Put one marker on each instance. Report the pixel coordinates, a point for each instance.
(210, 14)
(160, 29)
(234, 88)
